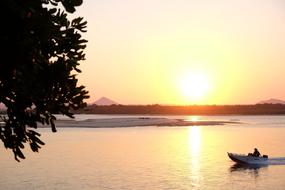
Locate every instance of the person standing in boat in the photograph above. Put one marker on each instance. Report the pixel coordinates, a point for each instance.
(256, 153)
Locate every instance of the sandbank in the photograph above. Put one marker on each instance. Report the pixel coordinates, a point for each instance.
(135, 122)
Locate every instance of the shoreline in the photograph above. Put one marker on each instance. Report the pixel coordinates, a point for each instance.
(250, 109)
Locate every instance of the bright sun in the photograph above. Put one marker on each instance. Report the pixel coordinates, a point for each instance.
(194, 86)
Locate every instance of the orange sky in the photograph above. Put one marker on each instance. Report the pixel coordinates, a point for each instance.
(140, 52)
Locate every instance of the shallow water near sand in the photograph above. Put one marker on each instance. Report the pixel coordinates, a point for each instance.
(151, 157)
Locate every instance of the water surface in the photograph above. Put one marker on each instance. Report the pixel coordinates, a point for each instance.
(151, 157)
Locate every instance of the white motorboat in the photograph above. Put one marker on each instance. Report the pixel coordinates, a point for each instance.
(248, 159)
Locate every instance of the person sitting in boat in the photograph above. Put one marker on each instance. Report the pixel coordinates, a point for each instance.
(256, 153)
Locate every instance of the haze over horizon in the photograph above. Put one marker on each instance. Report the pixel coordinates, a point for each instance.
(184, 52)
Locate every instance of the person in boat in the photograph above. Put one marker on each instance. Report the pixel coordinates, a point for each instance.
(256, 153)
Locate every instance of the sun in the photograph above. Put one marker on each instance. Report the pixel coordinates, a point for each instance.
(194, 86)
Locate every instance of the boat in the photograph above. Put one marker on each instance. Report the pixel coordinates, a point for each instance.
(248, 159)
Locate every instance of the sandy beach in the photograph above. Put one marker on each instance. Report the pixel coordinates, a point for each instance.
(135, 122)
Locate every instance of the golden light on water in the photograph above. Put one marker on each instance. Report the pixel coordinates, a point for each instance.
(194, 140)
(194, 118)
(194, 148)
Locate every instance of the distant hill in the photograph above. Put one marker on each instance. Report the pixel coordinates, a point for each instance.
(103, 101)
(272, 101)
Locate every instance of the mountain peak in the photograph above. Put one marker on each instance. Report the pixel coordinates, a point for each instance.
(104, 101)
(272, 101)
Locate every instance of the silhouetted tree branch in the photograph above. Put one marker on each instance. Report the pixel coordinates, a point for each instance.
(40, 54)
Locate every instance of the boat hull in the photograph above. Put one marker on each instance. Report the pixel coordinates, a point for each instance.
(244, 159)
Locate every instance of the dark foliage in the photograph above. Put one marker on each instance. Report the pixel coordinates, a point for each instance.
(40, 53)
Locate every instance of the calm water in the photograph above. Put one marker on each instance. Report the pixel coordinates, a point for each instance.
(151, 157)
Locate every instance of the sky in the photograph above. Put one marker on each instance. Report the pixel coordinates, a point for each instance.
(184, 51)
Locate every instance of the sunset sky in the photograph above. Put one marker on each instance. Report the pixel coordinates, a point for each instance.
(184, 51)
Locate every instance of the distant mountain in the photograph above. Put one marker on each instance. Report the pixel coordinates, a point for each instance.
(103, 101)
(272, 101)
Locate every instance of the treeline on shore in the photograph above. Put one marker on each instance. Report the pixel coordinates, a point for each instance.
(258, 109)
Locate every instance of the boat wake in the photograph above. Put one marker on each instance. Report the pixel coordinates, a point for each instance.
(276, 161)
(255, 167)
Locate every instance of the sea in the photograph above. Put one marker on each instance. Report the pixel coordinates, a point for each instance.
(151, 158)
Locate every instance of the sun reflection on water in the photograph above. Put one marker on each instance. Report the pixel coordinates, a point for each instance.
(194, 118)
(194, 149)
